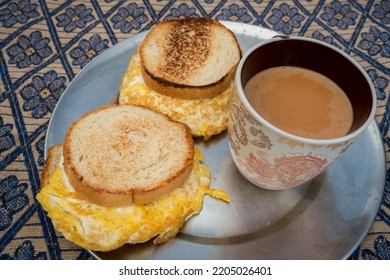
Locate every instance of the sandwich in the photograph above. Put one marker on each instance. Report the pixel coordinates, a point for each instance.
(124, 174)
(185, 69)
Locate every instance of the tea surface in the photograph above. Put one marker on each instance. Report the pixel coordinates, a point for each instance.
(301, 102)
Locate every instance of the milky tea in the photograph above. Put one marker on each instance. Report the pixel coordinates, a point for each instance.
(301, 102)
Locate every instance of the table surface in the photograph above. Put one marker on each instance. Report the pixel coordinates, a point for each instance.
(44, 44)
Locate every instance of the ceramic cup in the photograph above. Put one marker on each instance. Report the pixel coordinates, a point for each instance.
(271, 158)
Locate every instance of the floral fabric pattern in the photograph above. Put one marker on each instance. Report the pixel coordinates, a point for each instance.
(87, 50)
(44, 44)
(29, 50)
(380, 83)
(7, 140)
(13, 199)
(18, 12)
(376, 42)
(382, 11)
(129, 18)
(284, 19)
(25, 251)
(40, 146)
(235, 13)
(340, 15)
(381, 250)
(73, 18)
(327, 39)
(182, 11)
(42, 94)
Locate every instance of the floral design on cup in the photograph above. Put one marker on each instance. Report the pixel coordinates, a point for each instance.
(289, 142)
(343, 145)
(284, 171)
(242, 119)
(271, 158)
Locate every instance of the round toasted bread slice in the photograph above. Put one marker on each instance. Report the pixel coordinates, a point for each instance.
(189, 58)
(121, 154)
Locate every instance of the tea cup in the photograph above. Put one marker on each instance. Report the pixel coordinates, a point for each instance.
(272, 158)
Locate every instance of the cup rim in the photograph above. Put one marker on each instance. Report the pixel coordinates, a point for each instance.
(288, 135)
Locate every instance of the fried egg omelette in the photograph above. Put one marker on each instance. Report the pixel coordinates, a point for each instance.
(205, 117)
(100, 228)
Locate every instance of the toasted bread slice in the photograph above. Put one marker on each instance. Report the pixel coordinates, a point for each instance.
(121, 154)
(189, 58)
(100, 228)
(53, 157)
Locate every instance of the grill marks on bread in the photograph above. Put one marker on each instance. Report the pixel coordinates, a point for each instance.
(188, 46)
(189, 58)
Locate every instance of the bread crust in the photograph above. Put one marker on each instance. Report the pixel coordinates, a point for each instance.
(53, 157)
(128, 193)
(187, 92)
(175, 76)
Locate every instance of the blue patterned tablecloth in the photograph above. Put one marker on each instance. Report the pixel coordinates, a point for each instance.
(44, 44)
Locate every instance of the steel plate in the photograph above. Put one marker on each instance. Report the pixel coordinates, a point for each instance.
(326, 218)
